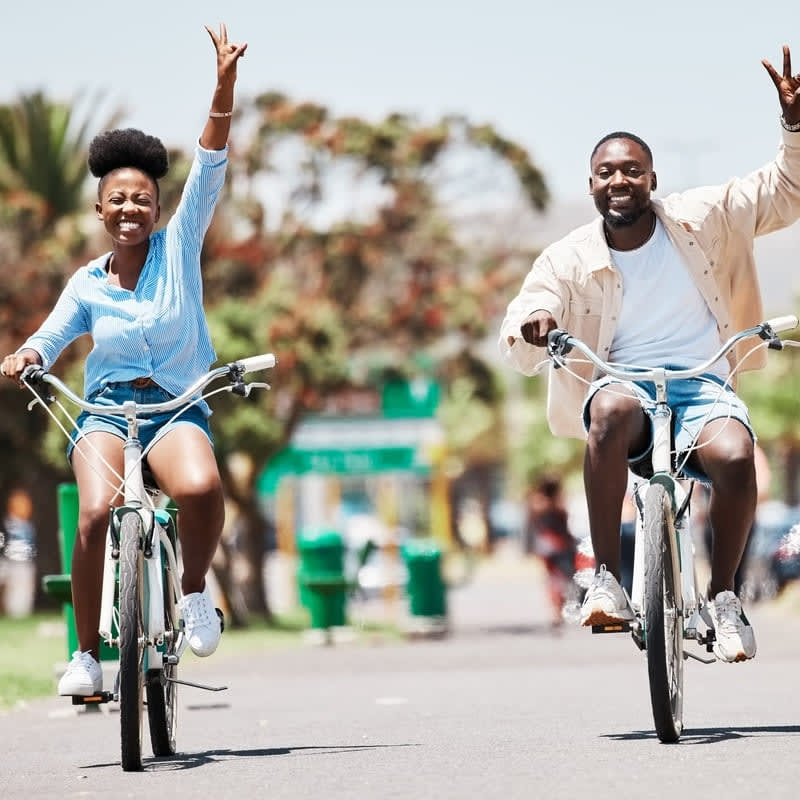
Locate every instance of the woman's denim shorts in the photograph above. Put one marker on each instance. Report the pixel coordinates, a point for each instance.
(694, 403)
(151, 428)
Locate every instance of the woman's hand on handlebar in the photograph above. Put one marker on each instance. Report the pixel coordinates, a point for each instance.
(15, 363)
(536, 326)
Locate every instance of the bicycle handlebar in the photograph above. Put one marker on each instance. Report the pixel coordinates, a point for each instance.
(34, 374)
(255, 363)
(560, 343)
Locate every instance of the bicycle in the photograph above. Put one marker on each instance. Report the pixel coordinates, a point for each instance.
(668, 605)
(141, 584)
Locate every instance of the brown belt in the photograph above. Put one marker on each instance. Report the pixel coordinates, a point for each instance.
(143, 383)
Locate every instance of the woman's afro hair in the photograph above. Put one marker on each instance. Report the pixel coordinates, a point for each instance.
(127, 147)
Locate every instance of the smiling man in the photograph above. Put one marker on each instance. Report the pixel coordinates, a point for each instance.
(657, 283)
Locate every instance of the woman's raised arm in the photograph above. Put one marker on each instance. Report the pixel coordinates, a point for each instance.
(215, 133)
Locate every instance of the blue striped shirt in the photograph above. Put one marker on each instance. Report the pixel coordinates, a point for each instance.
(159, 329)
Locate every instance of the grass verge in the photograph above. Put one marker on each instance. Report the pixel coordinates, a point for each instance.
(31, 647)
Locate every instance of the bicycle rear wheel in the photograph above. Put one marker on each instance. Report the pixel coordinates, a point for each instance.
(162, 691)
(663, 619)
(131, 641)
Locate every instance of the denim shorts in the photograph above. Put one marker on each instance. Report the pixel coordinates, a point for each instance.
(151, 428)
(694, 403)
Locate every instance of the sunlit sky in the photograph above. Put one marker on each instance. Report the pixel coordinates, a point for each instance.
(553, 76)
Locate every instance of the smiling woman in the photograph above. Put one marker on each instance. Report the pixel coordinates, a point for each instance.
(142, 304)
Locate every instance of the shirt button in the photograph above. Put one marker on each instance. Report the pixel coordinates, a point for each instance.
(691, 244)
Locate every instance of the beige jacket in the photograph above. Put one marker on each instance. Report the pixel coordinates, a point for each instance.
(713, 229)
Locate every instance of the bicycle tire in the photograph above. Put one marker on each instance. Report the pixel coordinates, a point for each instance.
(131, 641)
(161, 689)
(663, 620)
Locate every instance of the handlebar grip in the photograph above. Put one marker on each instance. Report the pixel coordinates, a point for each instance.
(785, 323)
(33, 373)
(254, 363)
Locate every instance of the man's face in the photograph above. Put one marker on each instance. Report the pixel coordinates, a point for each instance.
(621, 180)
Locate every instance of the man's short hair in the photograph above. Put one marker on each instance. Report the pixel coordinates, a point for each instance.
(623, 135)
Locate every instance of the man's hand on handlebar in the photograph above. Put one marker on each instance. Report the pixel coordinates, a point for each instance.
(536, 326)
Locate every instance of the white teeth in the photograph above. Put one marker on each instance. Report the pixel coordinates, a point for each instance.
(129, 226)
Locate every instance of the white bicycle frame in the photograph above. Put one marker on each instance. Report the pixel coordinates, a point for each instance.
(682, 544)
(152, 519)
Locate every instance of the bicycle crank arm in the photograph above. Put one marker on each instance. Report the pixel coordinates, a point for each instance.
(198, 685)
(687, 654)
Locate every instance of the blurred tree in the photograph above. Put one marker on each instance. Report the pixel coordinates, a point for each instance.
(362, 266)
(42, 180)
(771, 396)
(351, 263)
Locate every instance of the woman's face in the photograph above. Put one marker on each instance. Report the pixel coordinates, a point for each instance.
(128, 206)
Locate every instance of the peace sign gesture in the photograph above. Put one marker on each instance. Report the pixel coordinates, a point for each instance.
(788, 87)
(228, 54)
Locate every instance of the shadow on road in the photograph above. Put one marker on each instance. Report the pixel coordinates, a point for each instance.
(711, 735)
(181, 761)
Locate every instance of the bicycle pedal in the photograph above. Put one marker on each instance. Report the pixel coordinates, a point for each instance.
(616, 627)
(92, 699)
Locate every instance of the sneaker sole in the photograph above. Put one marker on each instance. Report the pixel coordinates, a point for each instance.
(600, 617)
(90, 693)
(740, 656)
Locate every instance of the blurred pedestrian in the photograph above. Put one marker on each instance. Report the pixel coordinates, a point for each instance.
(547, 536)
(17, 556)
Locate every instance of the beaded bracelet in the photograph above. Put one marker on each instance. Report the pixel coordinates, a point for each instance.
(789, 126)
(219, 114)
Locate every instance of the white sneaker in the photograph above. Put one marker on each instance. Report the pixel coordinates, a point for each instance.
(83, 676)
(605, 602)
(734, 639)
(201, 623)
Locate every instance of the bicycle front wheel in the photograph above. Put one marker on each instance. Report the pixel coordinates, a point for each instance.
(131, 640)
(663, 619)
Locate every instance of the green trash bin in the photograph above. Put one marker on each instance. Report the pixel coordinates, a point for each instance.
(427, 591)
(321, 580)
(60, 586)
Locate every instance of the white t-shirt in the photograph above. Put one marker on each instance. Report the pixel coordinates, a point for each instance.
(664, 318)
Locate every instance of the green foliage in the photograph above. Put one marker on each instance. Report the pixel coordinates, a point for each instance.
(772, 396)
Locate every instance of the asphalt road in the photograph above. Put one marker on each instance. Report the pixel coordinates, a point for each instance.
(500, 708)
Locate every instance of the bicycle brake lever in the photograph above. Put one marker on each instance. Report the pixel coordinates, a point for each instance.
(32, 378)
(558, 344)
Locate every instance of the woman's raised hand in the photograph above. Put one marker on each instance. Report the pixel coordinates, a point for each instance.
(228, 54)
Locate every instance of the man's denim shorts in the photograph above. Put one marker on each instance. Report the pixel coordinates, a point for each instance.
(151, 428)
(694, 403)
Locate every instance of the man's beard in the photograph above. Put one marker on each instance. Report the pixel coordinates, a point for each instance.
(617, 219)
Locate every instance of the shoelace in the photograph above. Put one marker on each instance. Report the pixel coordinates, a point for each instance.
(81, 659)
(196, 612)
(727, 614)
(603, 578)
